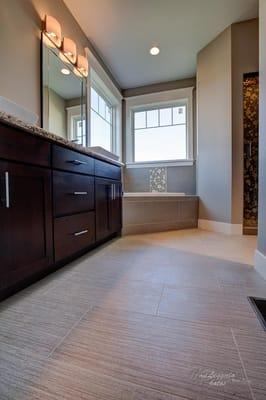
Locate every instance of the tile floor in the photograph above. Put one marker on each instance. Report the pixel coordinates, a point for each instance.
(152, 317)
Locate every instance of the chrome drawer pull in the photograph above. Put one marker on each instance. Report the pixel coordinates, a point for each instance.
(77, 162)
(81, 232)
(80, 193)
(7, 189)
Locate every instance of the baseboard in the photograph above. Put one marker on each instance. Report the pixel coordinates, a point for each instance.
(220, 227)
(260, 263)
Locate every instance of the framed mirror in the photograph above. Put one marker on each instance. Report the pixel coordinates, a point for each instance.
(64, 98)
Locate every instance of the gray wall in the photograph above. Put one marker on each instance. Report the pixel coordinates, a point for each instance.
(179, 179)
(245, 58)
(21, 24)
(262, 133)
(214, 129)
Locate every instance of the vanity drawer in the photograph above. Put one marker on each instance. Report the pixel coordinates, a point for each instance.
(73, 234)
(73, 193)
(107, 170)
(21, 146)
(71, 160)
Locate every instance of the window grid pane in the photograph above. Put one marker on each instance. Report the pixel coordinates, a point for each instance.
(160, 134)
(101, 123)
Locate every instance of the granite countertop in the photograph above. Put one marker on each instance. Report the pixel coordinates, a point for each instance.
(40, 132)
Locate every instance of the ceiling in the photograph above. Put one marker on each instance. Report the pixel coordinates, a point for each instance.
(122, 31)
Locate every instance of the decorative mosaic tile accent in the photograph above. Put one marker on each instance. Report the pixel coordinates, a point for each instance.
(158, 179)
(251, 128)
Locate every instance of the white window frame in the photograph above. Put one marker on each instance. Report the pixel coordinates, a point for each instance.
(72, 113)
(169, 98)
(100, 80)
(113, 118)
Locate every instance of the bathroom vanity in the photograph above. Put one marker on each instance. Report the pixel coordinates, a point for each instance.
(58, 200)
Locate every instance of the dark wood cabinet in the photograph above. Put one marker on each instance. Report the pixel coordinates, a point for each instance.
(105, 170)
(69, 160)
(73, 234)
(108, 207)
(25, 222)
(116, 208)
(15, 145)
(73, 193)
(55, 204)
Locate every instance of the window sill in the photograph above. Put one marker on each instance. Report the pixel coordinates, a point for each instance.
(158, 164)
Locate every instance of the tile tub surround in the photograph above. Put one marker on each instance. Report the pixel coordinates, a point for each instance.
(154, 212)
(37, 131)
(110, 327)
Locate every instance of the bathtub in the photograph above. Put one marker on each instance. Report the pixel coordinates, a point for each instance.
(146, 212)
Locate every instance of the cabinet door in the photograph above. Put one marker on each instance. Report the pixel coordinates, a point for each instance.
(108, 207)
(103, 189)
(25, 222)
(116, 208)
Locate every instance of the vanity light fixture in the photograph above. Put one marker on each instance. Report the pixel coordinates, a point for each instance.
(65, 71)
(69, 49)
(154, 51)
(53, 30)
(82, 65)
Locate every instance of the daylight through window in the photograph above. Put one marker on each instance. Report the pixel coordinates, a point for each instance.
(101, 121)
(160, 134)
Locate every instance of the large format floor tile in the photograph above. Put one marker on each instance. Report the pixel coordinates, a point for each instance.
(252, 350)
(148, 317)
(184, 359)
(207, 306)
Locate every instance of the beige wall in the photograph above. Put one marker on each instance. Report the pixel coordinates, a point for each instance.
(262, 136)
(57, 114)
(20, 26)
(159, 87)
(214, 163)
(221, 66)
(245, 58)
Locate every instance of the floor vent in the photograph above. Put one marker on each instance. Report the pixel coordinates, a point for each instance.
(259, 306)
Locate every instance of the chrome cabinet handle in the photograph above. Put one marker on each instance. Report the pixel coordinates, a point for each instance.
(80, 232)
(114, 192)
(80, 193)
(77, 162)
(7, 189)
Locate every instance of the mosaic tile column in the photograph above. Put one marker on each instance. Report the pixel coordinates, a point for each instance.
(251, 130)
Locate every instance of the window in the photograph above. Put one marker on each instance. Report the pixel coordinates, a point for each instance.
(76, 125)
(101, 121)
(160, 134)
(159, 129)
(79, 130)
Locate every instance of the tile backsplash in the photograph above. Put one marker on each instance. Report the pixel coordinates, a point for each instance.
(158, 179)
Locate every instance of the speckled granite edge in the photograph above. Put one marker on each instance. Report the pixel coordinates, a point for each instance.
(40, 132)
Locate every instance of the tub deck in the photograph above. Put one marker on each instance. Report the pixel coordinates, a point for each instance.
(156, 212)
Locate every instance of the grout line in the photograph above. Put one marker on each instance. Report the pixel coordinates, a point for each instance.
(69, 331)
(243, 366)
(160, 300)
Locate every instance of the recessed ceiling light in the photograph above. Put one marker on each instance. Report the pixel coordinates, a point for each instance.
(154, 51)
(65, 71)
